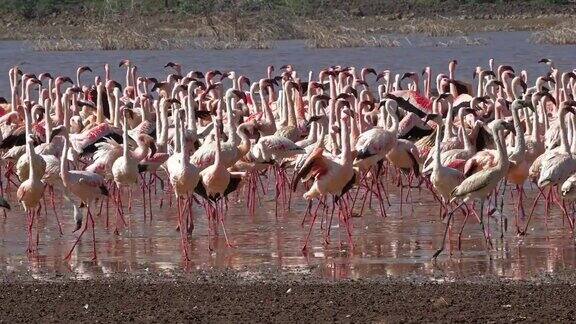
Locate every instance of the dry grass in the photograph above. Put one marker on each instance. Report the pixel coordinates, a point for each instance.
(105, 37)
(59, 44)
(432, 28)
(323, 35)
(215, 44)
(562, 34)
(333, 40)
(258, 31)
(463, 41)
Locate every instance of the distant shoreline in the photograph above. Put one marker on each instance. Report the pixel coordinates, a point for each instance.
(256, 29)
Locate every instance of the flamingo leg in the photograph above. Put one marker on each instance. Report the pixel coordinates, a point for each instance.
(437, 253)
(69, 255)
(51, 188)
(91, 219)
(310, 230)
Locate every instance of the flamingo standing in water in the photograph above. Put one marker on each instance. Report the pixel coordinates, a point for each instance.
(84, 185)
(443, 178)
(334, 176)
(30, 192)
(481, 184)
(184, 177)
(125, 168)
(216, 181)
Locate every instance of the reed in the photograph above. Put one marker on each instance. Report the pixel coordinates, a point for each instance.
(463, 41)
(563, 33)
(433, 28)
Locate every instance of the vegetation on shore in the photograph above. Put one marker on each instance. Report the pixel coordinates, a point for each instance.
(224, 24)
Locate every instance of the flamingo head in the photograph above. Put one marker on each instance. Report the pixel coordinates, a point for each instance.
(45, 76)
(244, 80)
(83, 69)
(125, 63)
(63, 79)
(382, 74)
(196, 75)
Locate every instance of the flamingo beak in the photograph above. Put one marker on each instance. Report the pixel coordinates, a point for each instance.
(406, 75)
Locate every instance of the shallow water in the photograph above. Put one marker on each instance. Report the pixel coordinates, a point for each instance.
(399, 245)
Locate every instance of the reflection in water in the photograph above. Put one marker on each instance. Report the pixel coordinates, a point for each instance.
(393, 246)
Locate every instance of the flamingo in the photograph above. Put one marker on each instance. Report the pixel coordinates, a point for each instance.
(30, 192)
(125, 168)
(216, 181)
(184, 178)
(87, 187)
(481, 184)
(334, 176)
(443, 178)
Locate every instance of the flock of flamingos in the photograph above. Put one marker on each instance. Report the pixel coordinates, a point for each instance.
(344, 136)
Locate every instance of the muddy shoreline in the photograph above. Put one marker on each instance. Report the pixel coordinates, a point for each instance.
(274, 295)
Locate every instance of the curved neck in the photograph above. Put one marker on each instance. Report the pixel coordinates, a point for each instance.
(185, 152)
(520, 146)
(563, 132)
(47, 120)
(164, 123)
(535, 123)
(503, 161)
(64, 172)
(158, 119)
(145, 112)
(217, 157)
(346, 152)
(394, 125)
(263, 102)
(58, 104)
(125, 137)
(428, 83)
(437, 149)
(177, 144)
(99, 104)
(233, 136)
(290, 103)
(117, 96)
(465, 138)
(191, 125)
(527, 120)
(245, 143)
(448, 125)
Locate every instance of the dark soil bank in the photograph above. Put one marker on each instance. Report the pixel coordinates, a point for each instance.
(234, 299)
